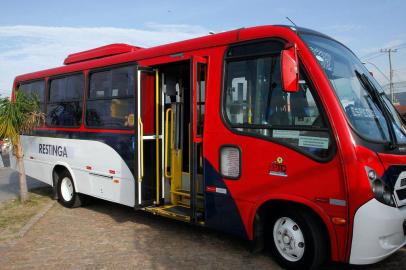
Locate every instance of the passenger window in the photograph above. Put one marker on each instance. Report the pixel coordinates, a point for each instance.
(111, 99)
(36, 89)
(255, 103)
(64, 106)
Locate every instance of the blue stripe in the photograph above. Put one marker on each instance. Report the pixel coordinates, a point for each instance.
(221, 211)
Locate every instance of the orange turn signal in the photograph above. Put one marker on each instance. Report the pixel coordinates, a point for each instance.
(338, 220)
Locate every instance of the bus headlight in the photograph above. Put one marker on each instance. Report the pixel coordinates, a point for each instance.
(381, 191)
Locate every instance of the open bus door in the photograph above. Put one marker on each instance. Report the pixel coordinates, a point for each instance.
(198, 86)
(148, 138)
(183, 85)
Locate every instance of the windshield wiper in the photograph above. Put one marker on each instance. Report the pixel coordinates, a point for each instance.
(366, 83)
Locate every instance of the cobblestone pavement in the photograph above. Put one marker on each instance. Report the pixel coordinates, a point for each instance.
(108, 236)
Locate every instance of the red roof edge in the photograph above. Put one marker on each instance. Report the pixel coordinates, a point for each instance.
(100, 52)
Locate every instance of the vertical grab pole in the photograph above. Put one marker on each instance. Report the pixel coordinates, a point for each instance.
(157, 97)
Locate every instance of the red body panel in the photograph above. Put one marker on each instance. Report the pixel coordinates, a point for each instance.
(308, 182)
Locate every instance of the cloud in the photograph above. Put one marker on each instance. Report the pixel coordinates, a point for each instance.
(343, 28)
(28, 48)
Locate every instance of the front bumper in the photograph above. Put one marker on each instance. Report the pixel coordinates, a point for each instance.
(378, 232)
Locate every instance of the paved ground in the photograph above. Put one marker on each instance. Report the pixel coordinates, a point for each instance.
(9, 185)
(108, 236)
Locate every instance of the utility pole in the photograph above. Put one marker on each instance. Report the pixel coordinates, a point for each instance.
(391, 90)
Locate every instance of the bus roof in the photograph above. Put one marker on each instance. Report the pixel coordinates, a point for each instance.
(121, 53)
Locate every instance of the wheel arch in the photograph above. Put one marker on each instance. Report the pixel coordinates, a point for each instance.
(58, 168)
(261, 210)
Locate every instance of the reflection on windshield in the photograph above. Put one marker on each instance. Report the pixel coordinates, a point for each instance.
(360, 105)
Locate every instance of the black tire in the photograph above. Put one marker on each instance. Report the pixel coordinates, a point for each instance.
(75, 200)
(315, 242)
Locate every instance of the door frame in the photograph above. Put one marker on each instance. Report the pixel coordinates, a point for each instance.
(196, 139)
(140, 138)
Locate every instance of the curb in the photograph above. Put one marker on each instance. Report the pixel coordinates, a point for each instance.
(17, 236)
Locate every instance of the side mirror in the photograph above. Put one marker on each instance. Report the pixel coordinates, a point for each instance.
(290, 68)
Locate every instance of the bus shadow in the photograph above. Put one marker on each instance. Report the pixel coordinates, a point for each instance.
(121, 214)
(45, 191)
(10, 187)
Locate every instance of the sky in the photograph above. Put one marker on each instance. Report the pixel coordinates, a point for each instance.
(36, 35)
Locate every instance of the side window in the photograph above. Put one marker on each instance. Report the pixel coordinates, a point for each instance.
(37, 89)
(201, 96)
(64, 106)
(255, 103)
(110, 102)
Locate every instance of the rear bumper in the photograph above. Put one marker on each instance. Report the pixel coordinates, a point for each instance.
(378, 232)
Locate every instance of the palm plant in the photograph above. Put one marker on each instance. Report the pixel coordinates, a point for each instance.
(19, 116)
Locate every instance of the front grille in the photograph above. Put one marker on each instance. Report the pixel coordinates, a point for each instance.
(401, 194)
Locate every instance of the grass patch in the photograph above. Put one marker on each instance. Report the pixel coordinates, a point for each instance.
(14, 214)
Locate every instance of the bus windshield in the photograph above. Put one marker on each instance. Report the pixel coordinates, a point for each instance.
(362, 98)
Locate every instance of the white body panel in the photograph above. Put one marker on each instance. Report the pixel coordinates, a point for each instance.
(378, 232)
(96, 168)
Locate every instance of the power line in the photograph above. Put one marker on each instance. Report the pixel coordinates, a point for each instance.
(400, 46)
(377, 68)
(373, 55)
(369, 55)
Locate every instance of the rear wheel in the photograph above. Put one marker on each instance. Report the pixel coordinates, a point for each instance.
(297, 239)
(67, 195)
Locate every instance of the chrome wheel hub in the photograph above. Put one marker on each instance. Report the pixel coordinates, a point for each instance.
(289, 239)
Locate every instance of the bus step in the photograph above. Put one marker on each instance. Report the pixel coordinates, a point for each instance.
(177, 212)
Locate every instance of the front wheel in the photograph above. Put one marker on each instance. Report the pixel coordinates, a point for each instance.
(66, 191)
(297, 240)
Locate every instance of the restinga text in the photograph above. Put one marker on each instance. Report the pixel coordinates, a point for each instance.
(52, 150)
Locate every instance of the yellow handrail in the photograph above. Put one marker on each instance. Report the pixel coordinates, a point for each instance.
(168, 111)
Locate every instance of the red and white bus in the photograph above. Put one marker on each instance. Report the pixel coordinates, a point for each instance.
(276, 134)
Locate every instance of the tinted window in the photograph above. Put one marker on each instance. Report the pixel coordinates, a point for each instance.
(66, 89)
(110, 113)
(113, 83)
(201, 96)
(37, 89)
(263, 47)
(64, 106)
(111, 99)
(255, 103)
